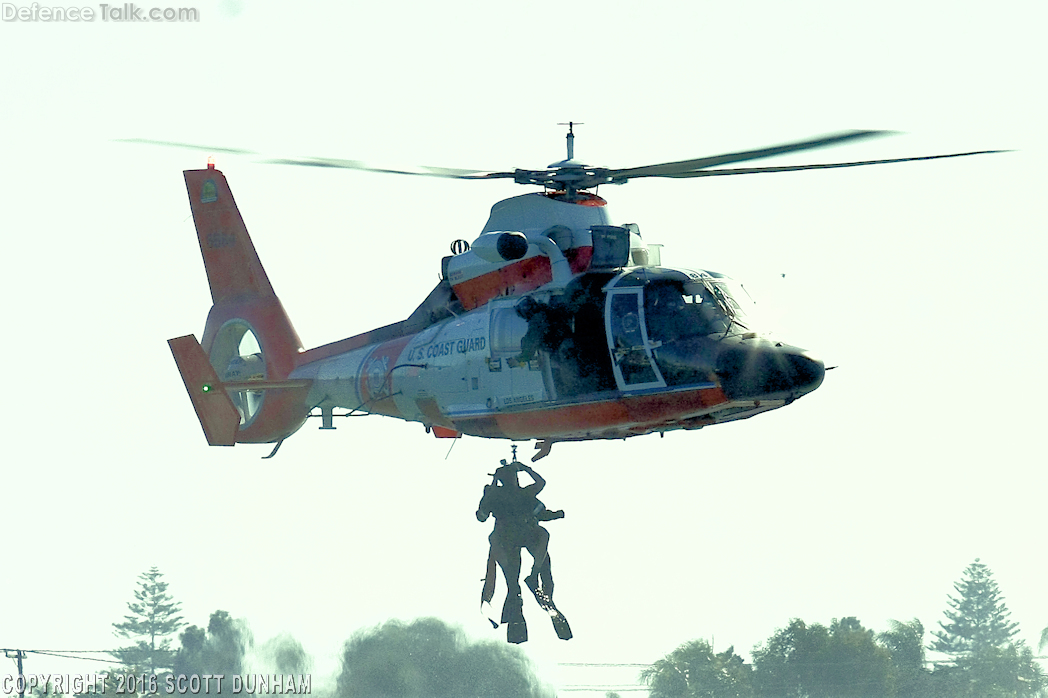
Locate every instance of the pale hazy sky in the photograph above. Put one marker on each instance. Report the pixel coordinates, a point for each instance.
(922, 282)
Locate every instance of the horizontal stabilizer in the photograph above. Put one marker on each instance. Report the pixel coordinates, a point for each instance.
(218, 416)
(266, 385)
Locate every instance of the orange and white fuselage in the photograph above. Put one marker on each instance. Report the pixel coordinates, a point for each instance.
(458, 365)
(452, 376)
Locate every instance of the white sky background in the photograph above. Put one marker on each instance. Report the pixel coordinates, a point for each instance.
(922, 282)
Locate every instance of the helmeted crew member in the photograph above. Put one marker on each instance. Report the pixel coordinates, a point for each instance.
(548, 327)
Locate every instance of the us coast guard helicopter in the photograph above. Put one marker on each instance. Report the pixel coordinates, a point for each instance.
(555, 324)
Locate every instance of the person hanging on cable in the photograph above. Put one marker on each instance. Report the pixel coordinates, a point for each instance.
(518, 514)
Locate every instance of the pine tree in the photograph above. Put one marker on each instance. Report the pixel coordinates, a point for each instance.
(154, 618)
(978, 636)
(978, 618)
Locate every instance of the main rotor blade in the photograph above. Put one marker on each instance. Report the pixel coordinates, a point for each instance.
(825, 166)
(421, 171)
(680, 168)
(587, 177)
(190, 146)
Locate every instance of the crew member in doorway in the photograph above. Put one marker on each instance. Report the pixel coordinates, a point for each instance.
(549, 327)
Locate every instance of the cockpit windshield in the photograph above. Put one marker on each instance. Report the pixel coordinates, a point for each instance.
(702, 307)
(730, 296)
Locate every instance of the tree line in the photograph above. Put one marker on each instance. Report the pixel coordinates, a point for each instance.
(425, 657)
(220, 648)
(847, 660)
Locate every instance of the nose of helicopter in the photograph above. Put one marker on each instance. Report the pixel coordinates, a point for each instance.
(765, 369)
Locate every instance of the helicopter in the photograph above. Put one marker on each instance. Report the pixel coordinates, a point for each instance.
(554, 324)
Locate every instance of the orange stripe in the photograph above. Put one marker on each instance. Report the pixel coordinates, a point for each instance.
(517, 278)
(627, 413)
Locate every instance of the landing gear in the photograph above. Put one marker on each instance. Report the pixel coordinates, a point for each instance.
(543, 447)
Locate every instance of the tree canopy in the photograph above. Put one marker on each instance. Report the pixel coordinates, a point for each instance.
(842, 660)
(219, 650)
(977, 619)
(153, 620)
(905, 642)
(430, 658)
(978, 639)
(286, 655)
(694, 670)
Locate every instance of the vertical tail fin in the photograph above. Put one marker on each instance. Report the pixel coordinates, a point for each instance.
(233, 268)
(248, 338)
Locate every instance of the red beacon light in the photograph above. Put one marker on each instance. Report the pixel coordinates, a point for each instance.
(211, 162)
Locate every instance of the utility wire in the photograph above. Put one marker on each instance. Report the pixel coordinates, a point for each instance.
(604, 688)
(70, 654)
(636, 665)
(86, 659)
(77, 651)
(599, 664)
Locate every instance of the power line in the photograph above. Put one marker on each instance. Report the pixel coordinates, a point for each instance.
(598, 664)
(47, 653)
(2, 649)
(70, 654)
(603, 687)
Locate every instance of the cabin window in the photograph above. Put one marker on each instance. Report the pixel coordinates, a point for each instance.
(611, 246)
(507, 329)
(632, 355)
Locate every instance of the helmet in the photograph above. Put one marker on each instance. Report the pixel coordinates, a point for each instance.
(507, 473)
(527, 307)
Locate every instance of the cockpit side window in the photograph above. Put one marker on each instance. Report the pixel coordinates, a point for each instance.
(663, 306)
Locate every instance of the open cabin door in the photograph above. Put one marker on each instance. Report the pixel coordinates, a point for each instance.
(631, 356)
(511, 386)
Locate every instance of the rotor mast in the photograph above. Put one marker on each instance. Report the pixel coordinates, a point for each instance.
(570, 163)
(571, 137)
